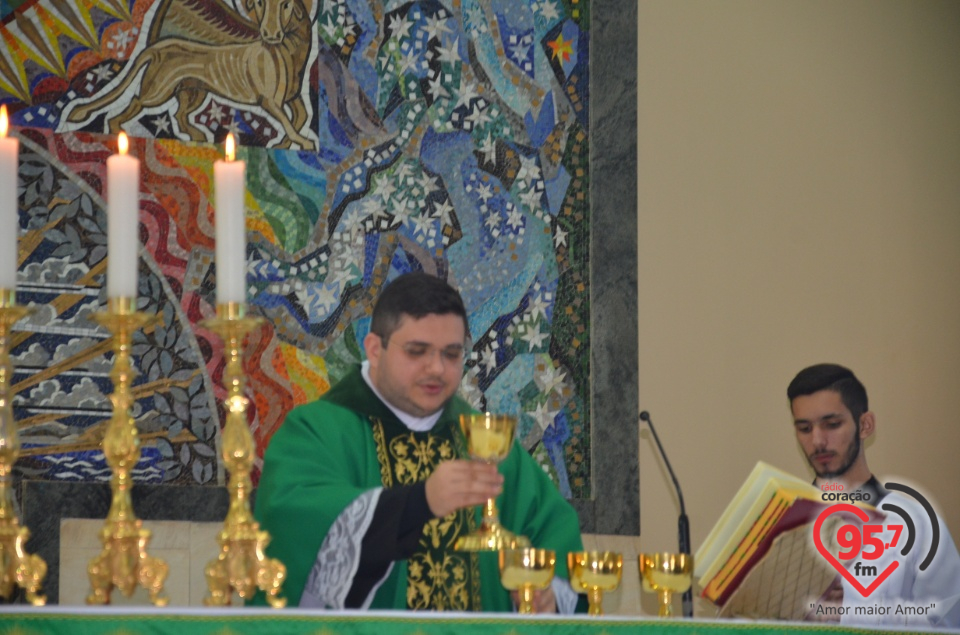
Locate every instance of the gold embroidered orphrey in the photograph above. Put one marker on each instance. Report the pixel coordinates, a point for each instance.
(438, 578)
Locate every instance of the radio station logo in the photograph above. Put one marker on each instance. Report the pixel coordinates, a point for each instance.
(861, 544)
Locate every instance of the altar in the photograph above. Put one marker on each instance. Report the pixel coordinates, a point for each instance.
(249, 621)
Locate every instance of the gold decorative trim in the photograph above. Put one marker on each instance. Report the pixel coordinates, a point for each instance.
(386, 477)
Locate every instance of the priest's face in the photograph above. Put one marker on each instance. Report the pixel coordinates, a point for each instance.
(418, 368)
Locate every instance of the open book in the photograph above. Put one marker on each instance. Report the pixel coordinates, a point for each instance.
(770, 503)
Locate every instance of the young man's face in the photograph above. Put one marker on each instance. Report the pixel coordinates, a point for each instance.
(827, 433)
(419, 368)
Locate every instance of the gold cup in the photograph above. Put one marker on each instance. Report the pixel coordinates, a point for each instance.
(526, 570)
(489, 439)
(666, 573)
(593, 572)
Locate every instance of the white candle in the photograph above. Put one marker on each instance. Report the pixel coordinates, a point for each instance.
(123, 222)
(9, 206)
(231, 227)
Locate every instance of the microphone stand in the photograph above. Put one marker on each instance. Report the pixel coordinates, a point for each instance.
(683, 524)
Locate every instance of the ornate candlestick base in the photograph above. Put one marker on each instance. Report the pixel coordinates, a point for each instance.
(17, 568)
(124, 562)
(241, 566)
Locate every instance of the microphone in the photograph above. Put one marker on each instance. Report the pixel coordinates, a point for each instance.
(683, 524)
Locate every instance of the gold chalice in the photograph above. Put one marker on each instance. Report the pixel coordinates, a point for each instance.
(593, 572)
(526, 570)
(489, 439)
(666, 573)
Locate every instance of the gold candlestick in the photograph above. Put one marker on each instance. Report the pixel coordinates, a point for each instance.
(18, 568)
(124, 562)
(241, 565)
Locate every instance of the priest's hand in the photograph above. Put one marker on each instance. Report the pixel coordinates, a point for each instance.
(544, 601)
(457, 484)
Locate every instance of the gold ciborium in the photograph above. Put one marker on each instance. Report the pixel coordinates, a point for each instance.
(593, 572)
(489, 439)
(526, 570)
(17, 567)
(666, 573)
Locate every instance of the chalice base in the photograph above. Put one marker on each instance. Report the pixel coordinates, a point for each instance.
(525, 605)
(595, 599)
(491, 537)
(665, 597)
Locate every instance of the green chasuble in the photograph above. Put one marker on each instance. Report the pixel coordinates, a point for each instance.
(329, 453)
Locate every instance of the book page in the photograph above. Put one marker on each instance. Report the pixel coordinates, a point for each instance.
(785, 582)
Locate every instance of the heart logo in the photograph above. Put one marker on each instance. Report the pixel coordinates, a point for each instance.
(862, 515)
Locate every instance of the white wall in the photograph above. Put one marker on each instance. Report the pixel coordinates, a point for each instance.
(799, 202)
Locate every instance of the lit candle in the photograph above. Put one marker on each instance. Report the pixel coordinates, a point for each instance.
(123, 222)
(231, 227)
(9, 207)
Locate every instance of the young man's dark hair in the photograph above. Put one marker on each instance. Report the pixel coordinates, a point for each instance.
(416, 294)
(831, 377)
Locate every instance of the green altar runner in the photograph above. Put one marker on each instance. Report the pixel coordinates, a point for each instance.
(17, 620)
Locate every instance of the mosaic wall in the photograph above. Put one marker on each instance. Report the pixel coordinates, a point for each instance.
(380, 137)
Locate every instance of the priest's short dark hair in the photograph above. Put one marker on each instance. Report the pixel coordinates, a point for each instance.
(416, 294)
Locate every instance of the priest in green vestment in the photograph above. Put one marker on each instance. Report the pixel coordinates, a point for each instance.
(365, 491)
